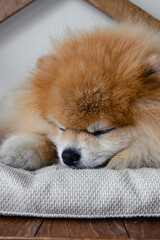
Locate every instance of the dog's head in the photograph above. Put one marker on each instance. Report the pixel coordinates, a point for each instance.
(102, 92)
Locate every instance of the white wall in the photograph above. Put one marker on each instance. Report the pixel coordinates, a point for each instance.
(25, 36)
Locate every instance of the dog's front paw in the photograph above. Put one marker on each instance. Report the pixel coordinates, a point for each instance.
(120, 160)
(16, 154)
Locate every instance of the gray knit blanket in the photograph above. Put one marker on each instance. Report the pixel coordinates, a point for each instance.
(56, 191)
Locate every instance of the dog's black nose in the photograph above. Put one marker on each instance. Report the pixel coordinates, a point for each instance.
(70, 156)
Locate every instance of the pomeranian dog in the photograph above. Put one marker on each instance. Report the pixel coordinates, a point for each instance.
(95, 100)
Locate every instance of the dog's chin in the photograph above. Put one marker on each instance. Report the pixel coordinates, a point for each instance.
(76, 166)
(80, 165)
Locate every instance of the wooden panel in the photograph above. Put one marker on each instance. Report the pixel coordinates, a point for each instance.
(16, 226)
(143, 228)
(50, 238)
(124, 10)
(82, 228)
(9, 7)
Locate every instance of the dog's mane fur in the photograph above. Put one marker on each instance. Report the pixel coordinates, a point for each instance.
(133, 78)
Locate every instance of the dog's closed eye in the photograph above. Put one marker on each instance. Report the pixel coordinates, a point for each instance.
(100, 132)
(62, 129)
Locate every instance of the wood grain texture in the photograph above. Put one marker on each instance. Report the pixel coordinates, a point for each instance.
(124, 10)
(17, 226)
(143, 228)
(9, 7)
(50, 238)
(82, 228)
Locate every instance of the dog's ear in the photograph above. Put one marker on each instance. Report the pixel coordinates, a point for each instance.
(153, 63)
(151, 73)
(44, 61)
(149, 85)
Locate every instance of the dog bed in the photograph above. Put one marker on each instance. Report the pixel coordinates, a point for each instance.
(56, 191)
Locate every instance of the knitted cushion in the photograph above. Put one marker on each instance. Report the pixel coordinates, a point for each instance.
(56, 191)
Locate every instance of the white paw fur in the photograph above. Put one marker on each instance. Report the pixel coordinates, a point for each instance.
(17, 151)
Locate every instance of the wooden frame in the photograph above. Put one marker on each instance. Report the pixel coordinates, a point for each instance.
(79, 229)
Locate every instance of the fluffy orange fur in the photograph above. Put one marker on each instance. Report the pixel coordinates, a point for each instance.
(99, 75)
